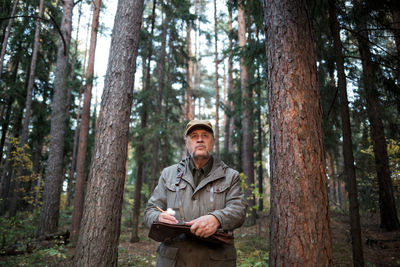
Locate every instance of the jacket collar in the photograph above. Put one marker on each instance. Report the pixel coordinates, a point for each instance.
(217, 172)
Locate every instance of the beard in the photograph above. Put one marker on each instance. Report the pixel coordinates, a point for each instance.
(197, 156)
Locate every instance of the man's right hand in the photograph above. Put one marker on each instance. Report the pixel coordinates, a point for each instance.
(167, 218)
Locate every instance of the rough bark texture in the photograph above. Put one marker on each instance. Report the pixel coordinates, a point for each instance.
(84, 127)
(299, 234)
(247, 136)
(100, 225)
(387, 205)
(349, 168)
(49, 212)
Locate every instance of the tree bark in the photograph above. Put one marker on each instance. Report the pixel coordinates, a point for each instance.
(189, 105)
(54, 174)
(349, 168)
(84, 127)
(7, 35)
(100, 225)
(140, 149)
(300, 233)
(387, 205)
(161, 73)
(247, 143)
(31, 77)
(216, 126)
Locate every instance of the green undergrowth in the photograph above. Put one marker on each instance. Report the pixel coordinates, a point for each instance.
(252, 250)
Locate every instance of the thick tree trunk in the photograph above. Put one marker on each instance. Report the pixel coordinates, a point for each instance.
(54, 174)
(349, 168)
(247, 143)
(387, 205)
(7, 35)
(84, 127)
(100, 225)
(300, 234)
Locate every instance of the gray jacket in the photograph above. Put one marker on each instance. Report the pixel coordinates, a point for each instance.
(218, 194)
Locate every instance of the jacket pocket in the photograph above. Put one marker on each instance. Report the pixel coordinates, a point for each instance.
(172, 201)
(222, 256)
(166, 256)
(217, 195)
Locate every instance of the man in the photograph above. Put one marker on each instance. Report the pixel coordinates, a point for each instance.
(208, 197)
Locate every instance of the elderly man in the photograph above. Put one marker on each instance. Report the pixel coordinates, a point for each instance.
(207, 197)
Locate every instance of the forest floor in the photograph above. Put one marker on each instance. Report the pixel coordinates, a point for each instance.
(252, 243)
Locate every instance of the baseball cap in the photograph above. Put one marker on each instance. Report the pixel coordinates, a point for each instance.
(194, 124)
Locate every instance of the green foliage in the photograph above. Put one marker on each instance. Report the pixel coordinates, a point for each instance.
(22, 163)
(255, 194)
(252, 250)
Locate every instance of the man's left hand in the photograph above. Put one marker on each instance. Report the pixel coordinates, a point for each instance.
(204, 226)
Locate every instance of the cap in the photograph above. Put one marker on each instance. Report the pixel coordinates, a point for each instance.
(198, 124)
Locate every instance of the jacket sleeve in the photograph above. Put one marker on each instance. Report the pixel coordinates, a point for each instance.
(158, 198)
(234, 213)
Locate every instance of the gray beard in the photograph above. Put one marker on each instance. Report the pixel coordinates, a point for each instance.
(207, 156)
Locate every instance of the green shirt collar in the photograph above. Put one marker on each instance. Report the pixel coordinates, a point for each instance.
(205, 170)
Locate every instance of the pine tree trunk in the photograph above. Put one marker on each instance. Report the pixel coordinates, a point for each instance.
(247, 143)
(71, 174)
(349, 168)
(84, 127)
(140, 149)
(161, 77)
(229, 146)
(216, 126)
(395, 12)
(7, 35)
(189, 105)
(54, 174)
(387, 205)
(100, 226)
(300, 233)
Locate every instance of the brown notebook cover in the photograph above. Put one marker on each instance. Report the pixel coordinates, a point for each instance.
(161, 232)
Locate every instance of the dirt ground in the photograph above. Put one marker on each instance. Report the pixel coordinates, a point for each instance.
(380, 248)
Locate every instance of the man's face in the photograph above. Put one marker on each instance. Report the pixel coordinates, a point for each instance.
(200, 143)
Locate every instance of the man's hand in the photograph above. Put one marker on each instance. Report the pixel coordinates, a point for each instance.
(204, 226)
(167, 218)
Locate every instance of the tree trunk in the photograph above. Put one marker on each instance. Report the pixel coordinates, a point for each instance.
(54, 174)
(349, 168)
(387, 205)
(71, 175)
(84, 127)
(161, 78)
(216, 126)
(140, 149)
(31, 77)
(247, 143)
(100, 225)
(395, 12)
(7, 35)
(229, 143)
(300, 234)
(189, 105)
